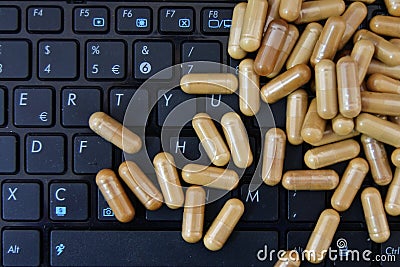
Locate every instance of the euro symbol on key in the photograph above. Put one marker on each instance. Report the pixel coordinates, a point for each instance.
(43, 116)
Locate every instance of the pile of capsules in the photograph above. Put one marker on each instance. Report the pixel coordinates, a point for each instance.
(357, 92)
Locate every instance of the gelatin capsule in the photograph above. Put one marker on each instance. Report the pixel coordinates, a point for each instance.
(362, 54)
(326, 155)
(342, 125)
(253, 25)
(349, 185)
(290, 258)
(273, 12)
(310, 180)
(168, 180)
(249, 88)
(212, 177)
(289, 10)
(223, 225)
(140, 185)
(319, 10)
(296, 109)
(380, 103)
(115, 195)
(322, 235)
(396, 157)
(238, 140)
(392, 201)
(273, 156)
(378, 67)
(375, 216)
(364, 1)
(348, 87)
(331, 137)
(114, 132)
(396, 42)
(326, 89)
(353, 17)
(395, 119)
(209, 83)
(393, 7)
(313, 126)
(211, 140)
(385, 25)
(378, 161)
(285, 83)
(193, 214)
(383, 84)
(234, 49)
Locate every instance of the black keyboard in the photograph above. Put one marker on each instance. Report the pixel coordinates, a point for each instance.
(61, 61)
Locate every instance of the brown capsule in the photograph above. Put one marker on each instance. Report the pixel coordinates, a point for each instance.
(193, 214)
(273, 156)
(210, 176)
(331, 137)
(115, 195)
(349, 185)
(326, 89)
(392, 202)
(353, 16)
(364, 1)
(314, 126)
(310, 180)
(223, 225)
(209, 83)
(362, 54)
(319, 10)
(140, 185)
(249, 88)
(289, 10)
(393, 7)
(288, 259)
(273, 12)
(326, 155)
(114, 132)
(342, 125)
(168, 180)
(322, 235)
(383, 84)
(380, 103)
(396, 42)
(375, 216)
(363, 86)
(285, 83)
(395, 119)
(396, 157)
(271, 47)
(296, 109)
(385, 25)
(234, 49)
(378, 161)
(378, 67)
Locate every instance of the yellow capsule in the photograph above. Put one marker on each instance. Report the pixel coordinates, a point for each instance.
(381, 103)
(385, 51)
(396, 42)
(289, 10)
(273, 12)
(385, 25)
(296, 109)
(168, 180)
(313, 126)
(342, 125)
(253, 25)
(378, 67)
(349, 185)
(115, 195)
(249, 88)
(209, 83)
(319, 10)
(395, 119)
(271, 47)
(289, 259)
(328, 42)
(114, 132)
(322, 235)
(331, 137)
(273, 156)
(210, 176)
(234, 49)
(223, 225)
(326, 89)
(348, 87)
(326, 155)
(285, 83)
(375, 216)
(396, 157)
(362, 54)
(310, 180)
(353, 16)
(392, 202)
(302, 51)
(193, 214)
(393, 7)
(211, 139)
(377, 158)
(383, 84)
(364, 1)
(140, 185)
(238, 141)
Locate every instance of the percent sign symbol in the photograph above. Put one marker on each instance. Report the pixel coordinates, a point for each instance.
(95, 49)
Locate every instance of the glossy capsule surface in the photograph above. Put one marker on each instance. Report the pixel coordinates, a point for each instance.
(310, 180)
(349, 185)
(234, 49)
(211, 139)
(380, 103)
(319, 10)
(362, 54)
(223, 225)
(140, 185)
(395, 42)
(253, 25)
(115, 195)
(296, 109)
(193, 214)
(385, 25)
(396, 157)
(209, 83)
(313, 126)
(392, 201)
(326, 89)
(393, 7)
(353, 17)
(114, 132)
(375, 216)
(290, 258)
(378, 67)
(289, 10)
(249, 88)
(383, 84)
(273, 156)
(342, 125)
(330, 136)
(273, 12)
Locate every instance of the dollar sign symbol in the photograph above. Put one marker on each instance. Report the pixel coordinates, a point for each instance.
(47, 50)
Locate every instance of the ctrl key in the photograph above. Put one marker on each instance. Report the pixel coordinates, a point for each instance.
(21, 248)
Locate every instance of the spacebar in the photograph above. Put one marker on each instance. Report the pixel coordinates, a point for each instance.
(156, 248)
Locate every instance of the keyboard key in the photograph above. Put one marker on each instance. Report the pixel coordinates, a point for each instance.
(21, 201)
(104, 212)
(260, 205)
(218, 105)
(105, 60)
(298, 240)
(315, 205)
(91, 154)
(391, 248)
(58, 60)
(216, 20)
(3, 108)
(200, 51)
(215, 200)
(88, 248)
(164, 214)
(355, 212)
(176, 20)
(8, 154)
(134, 20)
(21, 248)
(45, 19)
(9, 19)
(348, 242)
(14, 59)
(75, 110)
(293, 157)
(68, 201)
(90, 19)
(151, 57)
(33, 107)
(271, 115)
(187, 150)
(144, 158)
(45, 154)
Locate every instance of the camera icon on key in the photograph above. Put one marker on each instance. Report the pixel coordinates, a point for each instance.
(107, 212)
(141, 23)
